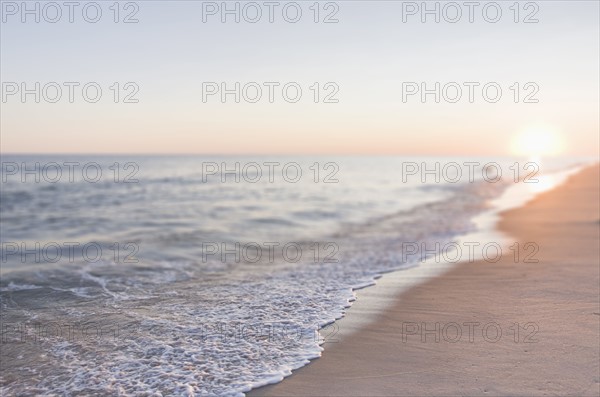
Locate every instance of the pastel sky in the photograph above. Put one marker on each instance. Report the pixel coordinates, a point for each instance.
(369, 53)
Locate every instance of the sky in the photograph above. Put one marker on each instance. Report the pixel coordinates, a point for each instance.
(363, 64)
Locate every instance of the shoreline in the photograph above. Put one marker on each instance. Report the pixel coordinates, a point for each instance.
(380, 350)
(388, 285)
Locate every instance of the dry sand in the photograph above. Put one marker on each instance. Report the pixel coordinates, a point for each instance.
(558, 298)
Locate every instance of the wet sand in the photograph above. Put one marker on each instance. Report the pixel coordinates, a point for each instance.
(442, 337)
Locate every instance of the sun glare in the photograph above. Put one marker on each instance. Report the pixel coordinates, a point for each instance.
(536, 142)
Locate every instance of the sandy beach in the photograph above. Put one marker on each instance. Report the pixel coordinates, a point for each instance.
(482, 328)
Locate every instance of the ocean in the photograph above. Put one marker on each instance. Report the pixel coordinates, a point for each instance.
(213, 275)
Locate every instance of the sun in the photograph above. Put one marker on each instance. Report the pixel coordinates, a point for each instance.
(537, 141)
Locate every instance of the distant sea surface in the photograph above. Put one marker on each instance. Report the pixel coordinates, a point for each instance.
(195, 275)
